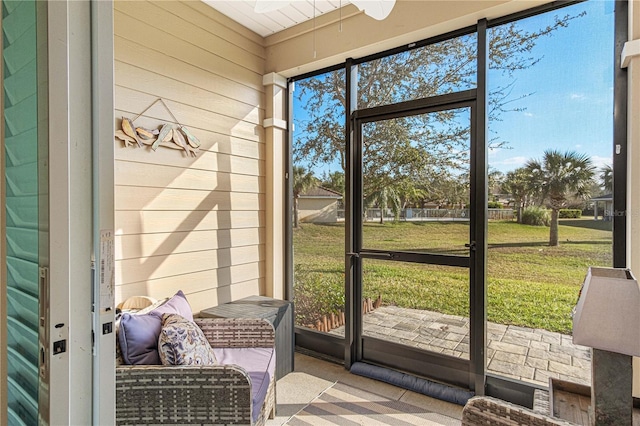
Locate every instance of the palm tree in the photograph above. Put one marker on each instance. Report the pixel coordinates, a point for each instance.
(384, 198)
(335, 182)
(409, 193)
(302, 182)
(606, 178)
(516, 183)
(560, 176)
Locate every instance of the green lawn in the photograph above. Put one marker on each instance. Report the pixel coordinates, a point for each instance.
(529, 283)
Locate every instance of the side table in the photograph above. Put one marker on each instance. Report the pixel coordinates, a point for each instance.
(572, 402)
(277, 312)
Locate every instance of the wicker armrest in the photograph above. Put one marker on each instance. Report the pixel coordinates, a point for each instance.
(161, 394)
(237, 332)
(484, 410)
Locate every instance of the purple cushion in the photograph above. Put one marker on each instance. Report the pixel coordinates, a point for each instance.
(138, 334)
(260, 363)
(176, 305)
(138, 338)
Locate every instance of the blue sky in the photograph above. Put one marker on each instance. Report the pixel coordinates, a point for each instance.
(571, 107)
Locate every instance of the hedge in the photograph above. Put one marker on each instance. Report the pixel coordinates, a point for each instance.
(570, 214)
(536, 216)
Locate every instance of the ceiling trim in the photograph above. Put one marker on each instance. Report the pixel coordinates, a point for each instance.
(289, 15)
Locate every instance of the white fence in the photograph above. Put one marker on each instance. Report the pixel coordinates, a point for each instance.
(372, 215)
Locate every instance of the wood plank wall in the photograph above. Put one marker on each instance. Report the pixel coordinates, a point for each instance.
(184, 223)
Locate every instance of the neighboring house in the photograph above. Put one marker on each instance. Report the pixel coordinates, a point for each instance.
(606, 202)
(318, 205)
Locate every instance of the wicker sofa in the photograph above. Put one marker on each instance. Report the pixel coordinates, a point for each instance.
(485, 410)
(226, 394)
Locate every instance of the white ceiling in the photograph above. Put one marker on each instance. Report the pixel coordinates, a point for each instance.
(294, 12)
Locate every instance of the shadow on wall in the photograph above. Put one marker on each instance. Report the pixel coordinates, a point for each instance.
(199, 226)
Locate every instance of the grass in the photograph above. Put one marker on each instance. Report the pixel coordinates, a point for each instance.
(529, 283)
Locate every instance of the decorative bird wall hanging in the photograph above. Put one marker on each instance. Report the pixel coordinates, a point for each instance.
(166, 135)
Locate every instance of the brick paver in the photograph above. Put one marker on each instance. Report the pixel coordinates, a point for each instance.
(527, 354)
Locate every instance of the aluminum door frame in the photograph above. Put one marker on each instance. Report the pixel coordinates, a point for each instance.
(451, 370)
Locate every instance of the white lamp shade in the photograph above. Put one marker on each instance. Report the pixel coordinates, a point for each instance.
(607, 315)
(377, 9)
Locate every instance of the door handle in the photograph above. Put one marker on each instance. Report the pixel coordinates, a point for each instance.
(378, 255)
(43, 329)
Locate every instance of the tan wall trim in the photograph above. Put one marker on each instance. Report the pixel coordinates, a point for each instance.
(302, 48)
(275, 135)
(274, 79)
(274, 122)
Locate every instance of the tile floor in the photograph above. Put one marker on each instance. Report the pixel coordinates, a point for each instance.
(312, 376)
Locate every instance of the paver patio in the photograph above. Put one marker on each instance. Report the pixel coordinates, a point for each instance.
(531, 355)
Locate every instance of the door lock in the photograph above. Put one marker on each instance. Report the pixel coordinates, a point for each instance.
(471, 246)
(59, 347)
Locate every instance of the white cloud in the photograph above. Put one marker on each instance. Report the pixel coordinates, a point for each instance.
(600, 162)
(528, 114)
(579, 96)
(512, 161)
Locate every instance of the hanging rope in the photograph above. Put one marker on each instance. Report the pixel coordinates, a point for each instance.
(314, 29)
(175, 120)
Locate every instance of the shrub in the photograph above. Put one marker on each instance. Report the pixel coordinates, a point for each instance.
(570, 214)
(317, 294)
(494, 205)
(536, 216)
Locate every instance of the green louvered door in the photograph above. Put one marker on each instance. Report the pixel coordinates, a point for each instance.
(25, 232)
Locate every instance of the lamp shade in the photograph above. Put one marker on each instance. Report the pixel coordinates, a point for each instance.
(607, 315)
(377, 9)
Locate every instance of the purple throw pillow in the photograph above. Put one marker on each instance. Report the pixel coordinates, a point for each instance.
(138, 334)
(139, 339)
(178, 304)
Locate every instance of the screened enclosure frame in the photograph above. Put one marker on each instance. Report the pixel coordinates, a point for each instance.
(460, 372)
(480, 380)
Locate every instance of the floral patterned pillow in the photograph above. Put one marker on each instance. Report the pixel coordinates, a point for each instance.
(181, 342)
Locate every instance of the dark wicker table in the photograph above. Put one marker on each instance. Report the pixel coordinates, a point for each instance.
(277, 312)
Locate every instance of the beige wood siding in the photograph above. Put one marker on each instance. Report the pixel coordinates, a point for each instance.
(195, 224)
(317, 210)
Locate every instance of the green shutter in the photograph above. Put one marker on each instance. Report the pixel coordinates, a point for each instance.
(21, 173)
